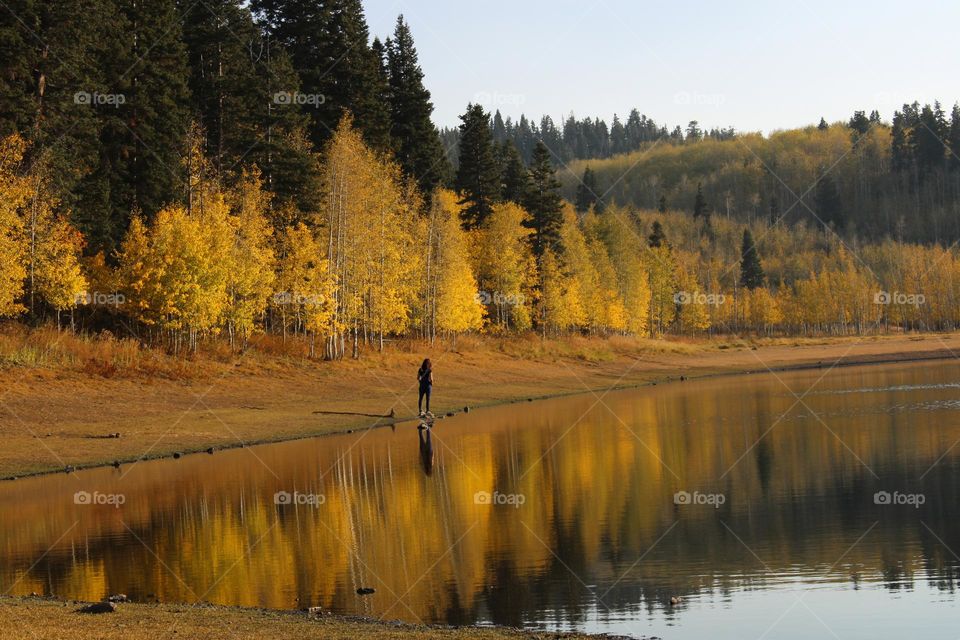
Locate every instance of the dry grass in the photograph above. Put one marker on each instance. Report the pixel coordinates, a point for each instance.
(25, 618)
(61, 393)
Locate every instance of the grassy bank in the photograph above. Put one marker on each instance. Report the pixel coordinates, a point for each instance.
(64, 396)
(43, 618)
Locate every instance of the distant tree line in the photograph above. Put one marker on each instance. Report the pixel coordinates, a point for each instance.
(584, 138)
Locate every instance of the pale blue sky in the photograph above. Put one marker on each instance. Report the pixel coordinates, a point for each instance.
(751, 64)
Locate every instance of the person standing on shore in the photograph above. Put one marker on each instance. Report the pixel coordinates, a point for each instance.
(425, 378)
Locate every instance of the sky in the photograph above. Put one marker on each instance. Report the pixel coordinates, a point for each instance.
(756, 66)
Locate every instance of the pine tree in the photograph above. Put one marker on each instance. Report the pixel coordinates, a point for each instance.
(329, 47)
(927, 139)
(700, 204)
(955, 137)
(587, 191)
(416, 139)
(53, 87)
(544, 202)
(657, 237)
(751, 271)
(901, 153)
(829, 206)
(662, 204)
(514, 179)
(478, 177)
(823, 126)
(148, 158)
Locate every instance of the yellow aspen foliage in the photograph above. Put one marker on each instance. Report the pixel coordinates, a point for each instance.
(306, 291)
(763, 309)
(52, 249)
(583, 263)
(59, 278)
(369, 221)
(613, 315)
(693, 303)
(175, 272)
(458, 307)
(505, 266)
(663, 288)
(251, 261)
(625, 247)
(14, 192)
(559, 305)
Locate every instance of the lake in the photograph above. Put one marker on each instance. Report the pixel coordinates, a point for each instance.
(792, 505)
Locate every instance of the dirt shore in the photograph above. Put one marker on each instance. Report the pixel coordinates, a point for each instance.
(41, 618)
(54, 419)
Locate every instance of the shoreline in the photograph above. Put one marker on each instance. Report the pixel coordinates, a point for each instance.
(250, 622)
(670, 375)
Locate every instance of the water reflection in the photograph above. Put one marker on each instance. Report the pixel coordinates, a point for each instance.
(561, 514)
(425, 435)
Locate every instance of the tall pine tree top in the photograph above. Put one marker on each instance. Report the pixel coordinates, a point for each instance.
(339, 71)
(416, 139)
(544, 202)
(478, 176)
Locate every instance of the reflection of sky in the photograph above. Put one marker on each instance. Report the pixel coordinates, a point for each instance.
(791, 612)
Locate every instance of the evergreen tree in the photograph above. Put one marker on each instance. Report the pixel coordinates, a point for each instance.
(415, 137)
(52, 79)
(587, 191)
(859, 123)
(662, 204)
(751, 271)
(927, 139)
(901, 153)
(700, 204)
(955, 137)
(823, 126)
(828, 202)
(657, 237)
(544, 202)
(514, 179)
(478, 176)
(239, 84)
(160, 117)
(338, 69)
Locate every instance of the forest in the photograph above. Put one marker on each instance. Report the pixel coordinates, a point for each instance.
(185, 172)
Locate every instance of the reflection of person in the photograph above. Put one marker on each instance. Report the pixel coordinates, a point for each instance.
(425, 378)
(426, 450)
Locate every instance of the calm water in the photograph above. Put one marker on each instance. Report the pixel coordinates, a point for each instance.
(781, 537)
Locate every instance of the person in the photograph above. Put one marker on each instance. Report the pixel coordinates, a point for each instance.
(425, 378)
